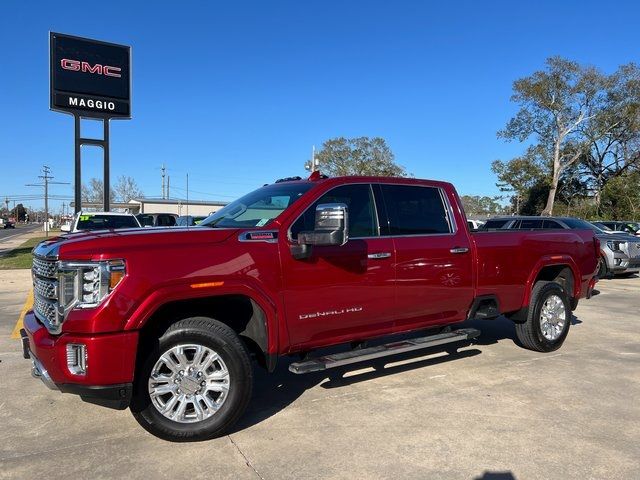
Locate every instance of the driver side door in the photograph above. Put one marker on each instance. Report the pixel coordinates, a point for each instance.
(341, 293)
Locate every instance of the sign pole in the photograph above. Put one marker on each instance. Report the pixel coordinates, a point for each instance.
(105, 151)
(77, 187)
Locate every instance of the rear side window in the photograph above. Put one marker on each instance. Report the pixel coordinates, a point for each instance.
(494, 224)
(551, 224)
(359, 200)
(166, 220)
(530, 224)
(414, 210)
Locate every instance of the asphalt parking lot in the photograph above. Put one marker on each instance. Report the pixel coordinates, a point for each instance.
(491, 411)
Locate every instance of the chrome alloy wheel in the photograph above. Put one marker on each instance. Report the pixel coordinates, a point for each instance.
(553, 316)
(189, 383)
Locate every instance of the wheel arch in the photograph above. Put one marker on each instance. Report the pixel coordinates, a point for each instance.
(249, 316)
(562, 271)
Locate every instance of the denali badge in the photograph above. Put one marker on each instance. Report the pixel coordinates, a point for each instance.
(304, 316)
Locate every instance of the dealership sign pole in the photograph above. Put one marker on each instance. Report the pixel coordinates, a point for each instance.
(90, 79)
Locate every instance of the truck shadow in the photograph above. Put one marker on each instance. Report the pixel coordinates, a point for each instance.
(276, 391)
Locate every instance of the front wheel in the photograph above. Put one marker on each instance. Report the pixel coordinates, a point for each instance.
(195, 383)
(548, 318)
(603, 270)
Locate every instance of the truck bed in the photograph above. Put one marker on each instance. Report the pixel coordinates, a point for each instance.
(506, 259)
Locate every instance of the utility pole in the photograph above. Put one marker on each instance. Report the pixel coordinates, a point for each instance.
(168, 184)
(46, 177)
(162, 169)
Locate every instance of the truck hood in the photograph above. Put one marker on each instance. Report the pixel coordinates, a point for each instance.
(618, 237)
(100, 244)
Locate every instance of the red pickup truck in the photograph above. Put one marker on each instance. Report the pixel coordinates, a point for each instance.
(167, 321)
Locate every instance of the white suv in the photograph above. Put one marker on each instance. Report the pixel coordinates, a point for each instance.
(100, 221)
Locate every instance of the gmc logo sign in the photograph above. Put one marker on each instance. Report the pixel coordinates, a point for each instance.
(78, 66)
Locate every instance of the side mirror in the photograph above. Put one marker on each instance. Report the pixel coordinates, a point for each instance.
(331, 228)
(65, 228)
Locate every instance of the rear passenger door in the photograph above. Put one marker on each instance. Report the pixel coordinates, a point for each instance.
(434, 271)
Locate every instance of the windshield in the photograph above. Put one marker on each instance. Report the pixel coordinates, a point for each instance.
(99, 222)
(602, 226)
(577, 224)
(259, 207)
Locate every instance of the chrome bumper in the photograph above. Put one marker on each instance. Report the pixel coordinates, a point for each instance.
(37, 369)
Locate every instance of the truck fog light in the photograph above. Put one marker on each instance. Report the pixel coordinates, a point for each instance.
(77, 358)
(618, 261)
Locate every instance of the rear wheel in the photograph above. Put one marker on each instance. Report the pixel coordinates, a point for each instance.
(548, 318)
(195, 383)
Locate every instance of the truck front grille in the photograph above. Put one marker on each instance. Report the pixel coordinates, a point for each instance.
(45, 293)
(44, 268)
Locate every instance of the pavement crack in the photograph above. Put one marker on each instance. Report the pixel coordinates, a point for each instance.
(246, 459)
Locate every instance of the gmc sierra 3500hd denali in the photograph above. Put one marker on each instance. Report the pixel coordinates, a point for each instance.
(166, 321)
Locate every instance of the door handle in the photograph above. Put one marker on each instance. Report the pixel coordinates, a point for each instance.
(379, 255)
(459, 250)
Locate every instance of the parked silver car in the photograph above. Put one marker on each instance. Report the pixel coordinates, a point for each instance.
(620, 253)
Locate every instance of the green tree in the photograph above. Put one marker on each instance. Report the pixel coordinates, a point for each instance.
(621, 197)
(519, 175)
(19, 212)
(358, 156)
(481, 205)
(613, 135)
(555, 103)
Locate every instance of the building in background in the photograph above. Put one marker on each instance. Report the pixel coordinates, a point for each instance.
(179, 207)
(159, 205)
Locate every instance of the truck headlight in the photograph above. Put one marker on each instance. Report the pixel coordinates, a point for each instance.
(86, 284)
(614, 245)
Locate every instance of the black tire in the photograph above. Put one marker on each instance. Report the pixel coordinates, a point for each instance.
(603, 270)
(222, 340)
(529, 333)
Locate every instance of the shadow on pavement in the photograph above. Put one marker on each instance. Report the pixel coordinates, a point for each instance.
(496, 476)
(274, 392)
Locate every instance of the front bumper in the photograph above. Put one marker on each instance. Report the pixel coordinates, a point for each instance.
(110, 363)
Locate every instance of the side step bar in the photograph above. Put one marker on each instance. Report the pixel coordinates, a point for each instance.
(394, 348)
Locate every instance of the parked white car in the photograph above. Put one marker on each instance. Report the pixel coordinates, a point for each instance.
(475, 224)
(100, 221)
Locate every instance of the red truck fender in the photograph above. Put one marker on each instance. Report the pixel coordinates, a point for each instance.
(551, 263)
(263, 328)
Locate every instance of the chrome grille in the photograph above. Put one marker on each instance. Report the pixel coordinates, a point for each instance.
(46, 311)
(634, 249)
(45, 290)
(44, 268)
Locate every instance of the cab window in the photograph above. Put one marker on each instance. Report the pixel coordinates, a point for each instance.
(358, 198)
(415, 210)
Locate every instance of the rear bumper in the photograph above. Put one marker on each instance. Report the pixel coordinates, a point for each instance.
(110, 363)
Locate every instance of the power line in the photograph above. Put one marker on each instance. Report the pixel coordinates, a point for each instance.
(46, 177)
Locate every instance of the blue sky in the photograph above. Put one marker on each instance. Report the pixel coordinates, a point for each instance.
(236, 93)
